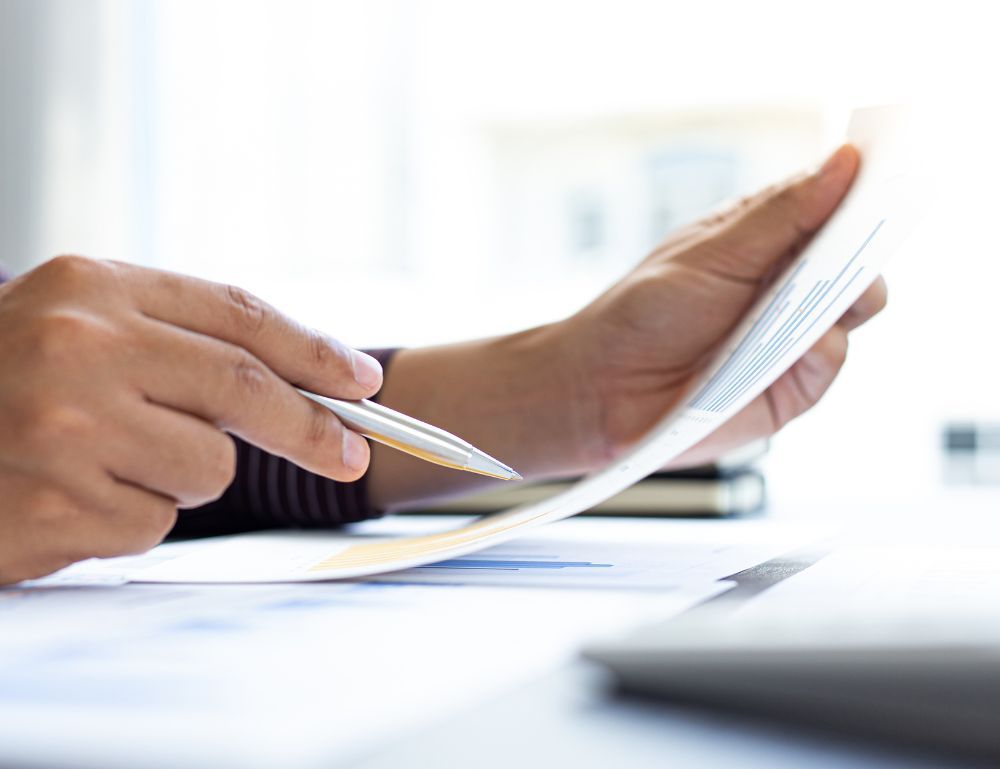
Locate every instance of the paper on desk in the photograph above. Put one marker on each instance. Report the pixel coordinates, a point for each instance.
(815, 290)
(610, 554)
(577, 554)
(297, 676)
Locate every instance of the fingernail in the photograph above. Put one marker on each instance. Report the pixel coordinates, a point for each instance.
(367, 370)
(354, 451)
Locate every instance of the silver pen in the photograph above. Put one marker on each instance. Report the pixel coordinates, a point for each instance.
(422, 440)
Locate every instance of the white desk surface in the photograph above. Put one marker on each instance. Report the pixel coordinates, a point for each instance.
(549, 709)
(573, 717)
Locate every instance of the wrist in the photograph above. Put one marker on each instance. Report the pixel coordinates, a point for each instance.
(555, 406)
(517, 397)
(571, 398)
(521, 397)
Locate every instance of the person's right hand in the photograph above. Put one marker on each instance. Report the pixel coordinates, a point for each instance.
(118, 386)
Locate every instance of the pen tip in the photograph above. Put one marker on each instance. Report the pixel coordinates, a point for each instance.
(482, 463)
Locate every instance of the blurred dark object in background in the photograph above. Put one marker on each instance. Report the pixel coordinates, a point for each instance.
(971, 453)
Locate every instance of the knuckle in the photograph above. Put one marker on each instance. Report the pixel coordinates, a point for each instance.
(162, 519)
(46, 505)
(782, 199)
(64, 336)
(767, 195)
(835, 349)
(841, 353)
(61, 334)
(248, 312)
(69, 266)
(220, 469)
(157, 521)
(71, 271)
(47, 425)
(325, 352)
(43, 500)
(881, 296)
(788, 199)
(251, 376)
(319, 428)
(747, 202)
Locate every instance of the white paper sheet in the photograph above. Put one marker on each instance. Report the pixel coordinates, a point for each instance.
(582, 553)
(292, 676)
(842, 260)
(610, 554)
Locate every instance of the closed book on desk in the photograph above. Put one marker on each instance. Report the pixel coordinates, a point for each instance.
(656, 496)
(732, 486)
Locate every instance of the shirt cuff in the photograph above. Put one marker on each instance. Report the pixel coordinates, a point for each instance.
(271, 492)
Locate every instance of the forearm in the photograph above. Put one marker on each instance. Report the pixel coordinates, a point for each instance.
(513, 396)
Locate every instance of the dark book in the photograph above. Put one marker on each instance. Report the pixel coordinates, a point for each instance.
(729, 487)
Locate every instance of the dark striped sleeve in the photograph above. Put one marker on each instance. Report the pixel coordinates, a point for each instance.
(270, 492)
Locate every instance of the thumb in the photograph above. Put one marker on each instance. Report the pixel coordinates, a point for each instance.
(762, 230)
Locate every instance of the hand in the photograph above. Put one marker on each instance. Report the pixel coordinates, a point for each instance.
(118, 386)
(636, 350)
(566, 398)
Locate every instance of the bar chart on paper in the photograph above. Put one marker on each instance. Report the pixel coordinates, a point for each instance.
(610, 554)
(776, 330)
(499, 562)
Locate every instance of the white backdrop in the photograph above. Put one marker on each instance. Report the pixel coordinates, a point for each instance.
(335, 158)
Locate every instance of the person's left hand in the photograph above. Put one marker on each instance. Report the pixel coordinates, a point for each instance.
(568, 397)
(637, 349)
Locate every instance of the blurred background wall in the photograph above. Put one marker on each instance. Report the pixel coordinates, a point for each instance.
(505, 161)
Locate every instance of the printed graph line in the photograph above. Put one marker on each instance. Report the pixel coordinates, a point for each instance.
(760, 327)
(774, 347)
(791, 341)
(764, 346)
(748, 352)
(763, 370)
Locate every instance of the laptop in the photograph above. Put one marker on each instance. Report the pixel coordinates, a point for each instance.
(943, 695)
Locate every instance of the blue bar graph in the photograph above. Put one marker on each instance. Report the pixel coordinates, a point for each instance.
(513, 565)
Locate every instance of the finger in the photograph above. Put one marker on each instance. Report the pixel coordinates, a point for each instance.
(777, 222)
(801, 387)
(172, 454)
(230, 388)
(96, 517)
(300, 355)
(871, 302)
(752, 422)
(790, 396)
(37, 546)
(121, 519)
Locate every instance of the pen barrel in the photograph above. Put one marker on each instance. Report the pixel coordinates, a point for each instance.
(399, 431)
